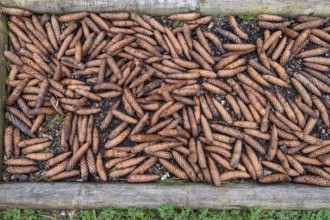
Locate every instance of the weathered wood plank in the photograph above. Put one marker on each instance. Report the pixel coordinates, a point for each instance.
(3, 75)
(151, 196)
(254, 7)
(164, 7)
(160, 7)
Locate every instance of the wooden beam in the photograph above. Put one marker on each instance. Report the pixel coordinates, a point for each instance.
(3, 75)
(120, 195)
(160, 7)
(253, 7)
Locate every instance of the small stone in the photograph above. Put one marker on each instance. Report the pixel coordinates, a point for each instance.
(267, 172)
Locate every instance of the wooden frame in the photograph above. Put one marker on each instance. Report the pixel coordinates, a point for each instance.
(165, 7)
(123, 195)
(3, 75)
(151, 196)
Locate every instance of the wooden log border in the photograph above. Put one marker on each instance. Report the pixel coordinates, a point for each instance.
(3, 76)
(68, 195)
(287, 8)
(165, 7)
(122, 195)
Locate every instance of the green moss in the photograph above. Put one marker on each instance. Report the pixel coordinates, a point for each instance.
(172, 180)
(138, 12)
(48, 181)
(7, 80)
(47, 150)
(3, 28)
(249, 17)
(3, 58)
(52, 120)
(58, 143)
(178, 23)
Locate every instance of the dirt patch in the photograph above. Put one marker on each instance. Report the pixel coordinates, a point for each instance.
(212, 133)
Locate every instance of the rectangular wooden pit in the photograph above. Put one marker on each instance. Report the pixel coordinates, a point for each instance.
(121, 195)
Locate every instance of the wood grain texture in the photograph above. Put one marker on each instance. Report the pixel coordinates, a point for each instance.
(165, 7)
(254, 7)
(151, 196)
(3, 75)
(160, 7)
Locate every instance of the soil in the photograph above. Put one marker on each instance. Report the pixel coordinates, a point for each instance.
(53, 130)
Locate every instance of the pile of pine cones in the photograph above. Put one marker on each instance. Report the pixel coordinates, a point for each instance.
(204, 106)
